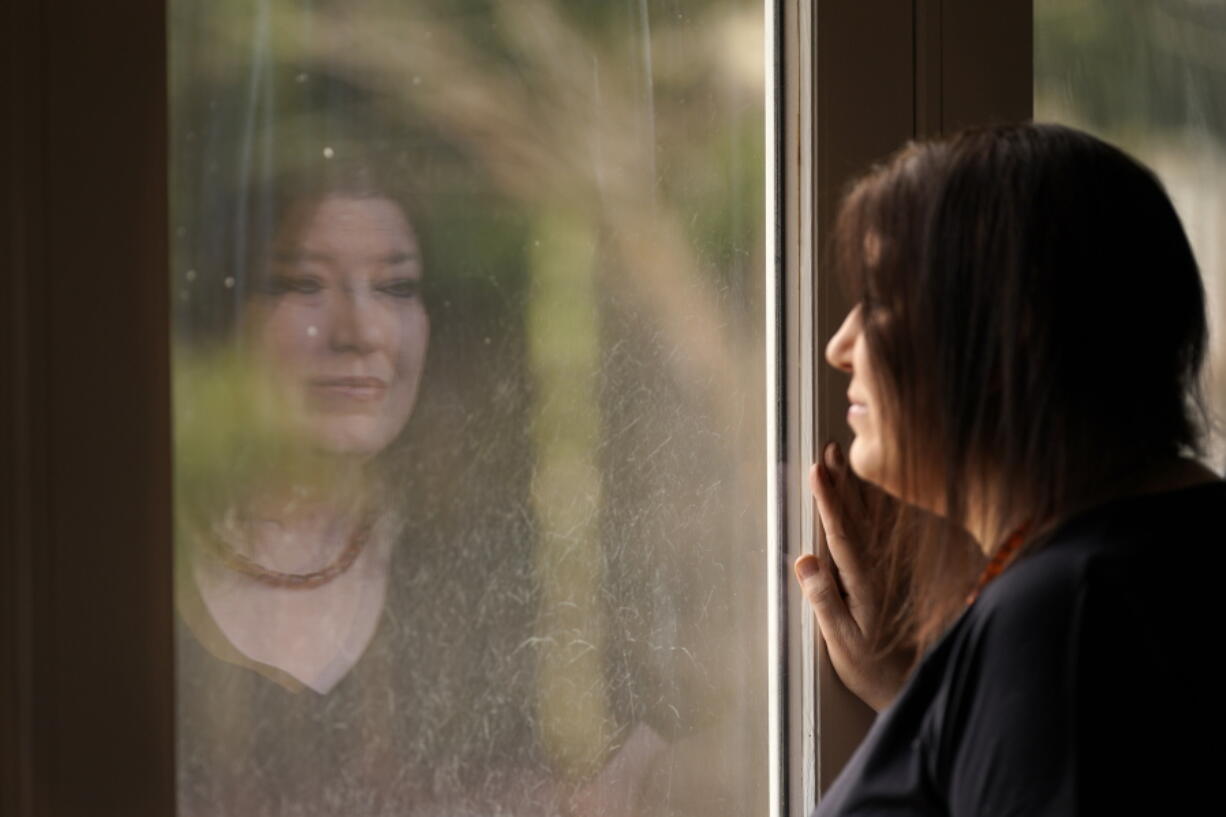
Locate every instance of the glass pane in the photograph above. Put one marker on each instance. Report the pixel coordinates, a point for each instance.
(1149, 76)
(469, 394)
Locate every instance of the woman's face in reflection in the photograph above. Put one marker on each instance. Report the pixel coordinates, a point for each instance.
(340, 322)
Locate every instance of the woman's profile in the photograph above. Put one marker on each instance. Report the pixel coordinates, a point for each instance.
(1024, 357)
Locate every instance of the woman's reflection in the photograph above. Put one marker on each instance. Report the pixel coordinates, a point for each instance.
(295, 579)
(354, 596)
(359, 593)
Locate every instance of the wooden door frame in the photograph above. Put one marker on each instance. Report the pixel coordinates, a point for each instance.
(85, 581)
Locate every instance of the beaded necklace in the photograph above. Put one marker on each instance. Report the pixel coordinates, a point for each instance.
(1000, 560)
(239, 563)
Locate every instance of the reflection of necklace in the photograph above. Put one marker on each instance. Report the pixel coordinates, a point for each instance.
(236, 561)
(1000, 560)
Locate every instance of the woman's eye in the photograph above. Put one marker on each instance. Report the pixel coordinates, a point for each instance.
(300, 284)
(401, 288)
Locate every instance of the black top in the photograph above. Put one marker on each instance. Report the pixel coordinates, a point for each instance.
(1078, 683)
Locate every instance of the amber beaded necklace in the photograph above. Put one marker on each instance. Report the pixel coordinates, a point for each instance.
(239, 563)
(1000, 560)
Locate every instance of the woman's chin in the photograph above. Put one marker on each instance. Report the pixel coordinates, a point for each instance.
(866, 463)
(353, 440)
(860, 459)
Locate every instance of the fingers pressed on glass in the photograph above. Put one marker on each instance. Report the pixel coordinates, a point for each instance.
(825, 597)
(832, 510)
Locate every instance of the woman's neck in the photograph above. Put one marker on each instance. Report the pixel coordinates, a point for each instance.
(299, 525)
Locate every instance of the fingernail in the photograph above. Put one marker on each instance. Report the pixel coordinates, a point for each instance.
(806, 567)
(834, 456)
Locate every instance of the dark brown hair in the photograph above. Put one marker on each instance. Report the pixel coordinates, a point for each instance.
(239, 225)
(1038, 322)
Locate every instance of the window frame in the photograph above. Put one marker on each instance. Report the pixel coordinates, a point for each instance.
(86, 581)
(921, 69)
(86, 609)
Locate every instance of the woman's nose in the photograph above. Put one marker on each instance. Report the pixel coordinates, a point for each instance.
(356, 325)
(839, 349)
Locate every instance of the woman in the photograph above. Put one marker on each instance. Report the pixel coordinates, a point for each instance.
(325, 653)
(294, 574)
(1024, 357)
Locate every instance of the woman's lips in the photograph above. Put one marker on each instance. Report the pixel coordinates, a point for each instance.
(361, 389)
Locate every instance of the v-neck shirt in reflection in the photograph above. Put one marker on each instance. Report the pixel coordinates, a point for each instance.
(218, 605)
(435, 718)
(1078, 683)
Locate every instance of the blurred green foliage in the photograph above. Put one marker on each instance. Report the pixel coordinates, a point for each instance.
(1127, 65)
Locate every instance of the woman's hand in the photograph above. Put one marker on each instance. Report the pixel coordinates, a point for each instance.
(843, 590)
